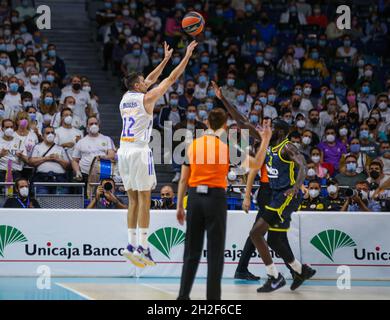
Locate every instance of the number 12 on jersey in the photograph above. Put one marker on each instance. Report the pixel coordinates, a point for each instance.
(128, 123)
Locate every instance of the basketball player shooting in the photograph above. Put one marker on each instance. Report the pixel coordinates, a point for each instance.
(135, 159)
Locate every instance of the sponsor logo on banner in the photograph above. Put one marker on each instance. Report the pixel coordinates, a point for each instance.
(8, 236)
(165, 239)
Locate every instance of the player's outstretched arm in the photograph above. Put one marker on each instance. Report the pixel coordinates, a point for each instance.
(156, 93)
(155, 74)
(265, 132)
(242, 122)
(290, 152)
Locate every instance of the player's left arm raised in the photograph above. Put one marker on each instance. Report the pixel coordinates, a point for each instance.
(155, 74)
(290, 152)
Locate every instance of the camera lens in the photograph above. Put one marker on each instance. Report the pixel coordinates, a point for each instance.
(107, 186)
(349, 192)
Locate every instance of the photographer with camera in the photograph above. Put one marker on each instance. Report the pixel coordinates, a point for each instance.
(105, 197)
(359, 199)
(167, 199)
(334, 198)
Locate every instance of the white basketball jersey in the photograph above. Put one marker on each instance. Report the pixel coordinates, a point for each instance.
(137, 123)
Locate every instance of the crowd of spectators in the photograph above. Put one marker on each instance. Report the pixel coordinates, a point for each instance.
(285, 59)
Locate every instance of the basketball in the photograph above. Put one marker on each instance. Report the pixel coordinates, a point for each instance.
(193, 23)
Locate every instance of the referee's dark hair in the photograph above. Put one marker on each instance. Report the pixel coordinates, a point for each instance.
(217, 118)
(132, 79)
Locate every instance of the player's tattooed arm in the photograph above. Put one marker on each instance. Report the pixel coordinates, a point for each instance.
(155, 74)
(290, 152)
(242, 121)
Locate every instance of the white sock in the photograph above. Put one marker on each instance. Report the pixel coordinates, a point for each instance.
(296, 266)
(272, 271)
(132, 235)
(143, 237)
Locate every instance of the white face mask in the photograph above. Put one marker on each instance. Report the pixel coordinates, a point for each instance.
(24, 192)
(50, 137)
(9, 132)
(47, 117)
(382, 105)
(331, 189)
(311, 172)
(94, 129)
(68, 120)
(70, 106)
(314, 193)
(34, 79)
(301, 123)
(316, 159)
(343, 131)
(87, 88)
(364, 195)
(330, 138)
(232, 176)
(306, 140)
(307, 91)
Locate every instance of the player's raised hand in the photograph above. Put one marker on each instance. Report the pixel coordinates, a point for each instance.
(167, 51)
(217, 90)
(265, 130)
(191, 48)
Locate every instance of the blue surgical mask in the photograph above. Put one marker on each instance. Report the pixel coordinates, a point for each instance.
(50, 78)
(263, 100)
(18, 70)
(230, 82)
(51, 53)
(322, 43)
(146, 45)
(48, 101)
(257, 107)
(33, 116)
(203, 114)
(205, 59)
(23, 29)
(3, 47)
(3, 61)
(259, 59)
(136, 52)
(254, 118)
(44, 46)
(298, 92)
(191, 116)
(366, 89)
(271, 98)
(202, 79)
(14, 87)
(174, 102)
(211, 93)
(241, 98)
(364, 134)
(351, 167)
(209, 105)
(355, 148)
(20, 46)
(315, 55)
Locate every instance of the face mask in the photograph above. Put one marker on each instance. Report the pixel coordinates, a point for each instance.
(146, 45)
(202, 79)
(27, 104)
(263, 100)
(7, 32)
(231, 60)
(190, 91)
(47, 117)
(314, 193)
(339, 78)
(126, 13)
(68, 120)
(87, 89)
(241, 98)
(9, 132)
(307, 91)
(50, 138)
(297, 145)
(230, 82)
(209, 105)
(351, 167)
(354, 148)
(51, 53)
(347, 43)
(14, 87)
(33, 116)
(191, 116)
(254, 118)
(76, 86)
(298, 92)
(24, 192)
(368, 73)
(127, 32)
(322, 43)
(374, 174)
(94, 129)
(260, 73)
(271, 98)
(301, 124)
(259, 59)
(3, 61)
(288, 120)
(268, 56)
(34, 79)
(257, 107)
(2, 112)
(23, 123)
(315, 55)
(48, 101)
(343, 132)
(311, 172)
(330, 138)
(364, 134)
(360, 63)
(365, 90)
(211, 93)
(50, 78)
(205, 59)
(330, 96)
(19, 46)
(174, 102)
(382, 105)
(203, 114)
(332, 189)
(306, 140)
(316, 159)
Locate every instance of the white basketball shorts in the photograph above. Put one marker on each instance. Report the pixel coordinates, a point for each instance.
(136, 168)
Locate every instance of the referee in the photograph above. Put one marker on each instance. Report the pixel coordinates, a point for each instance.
(204, 175)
